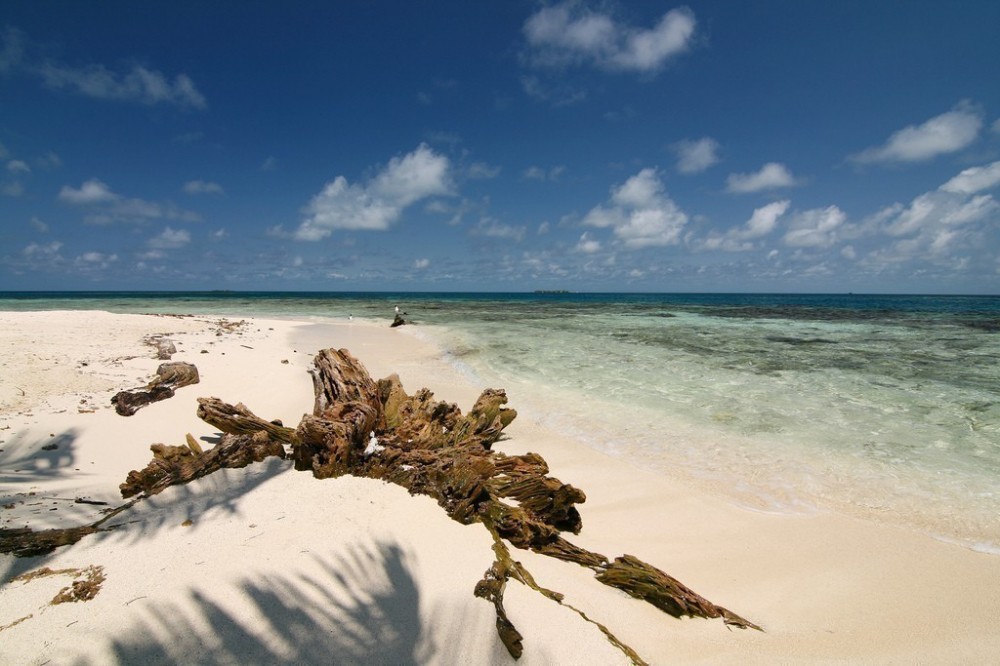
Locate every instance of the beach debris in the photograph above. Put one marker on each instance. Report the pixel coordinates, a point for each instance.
(397, 321)
(25, 542)
(165, 347)
(224, 326)
(430, 448)
(85, 587)
(172, 465)
(169, 377)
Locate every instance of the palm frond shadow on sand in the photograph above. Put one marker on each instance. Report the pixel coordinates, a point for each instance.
(358, 606)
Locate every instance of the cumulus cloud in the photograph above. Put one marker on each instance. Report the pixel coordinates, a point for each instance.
(816, 228)
(761, 223)
(974, 179)
(696, 156)
(48, 251)
(38, 225)
(170, 239)
(202, 187)
(90, 192)
(640, 213)
(98, 259)
(955, 217)
(947, 133)
(771, 176)
(587, 244)
(108, 207)
(570, 34)
(378, 203)
(421, 264)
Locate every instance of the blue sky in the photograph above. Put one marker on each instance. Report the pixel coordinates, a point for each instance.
(501, 146)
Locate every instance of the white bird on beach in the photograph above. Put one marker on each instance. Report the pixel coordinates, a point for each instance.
(397, 309)
(373, 446)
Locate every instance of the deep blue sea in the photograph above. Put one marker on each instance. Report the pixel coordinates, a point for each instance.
(885, 407)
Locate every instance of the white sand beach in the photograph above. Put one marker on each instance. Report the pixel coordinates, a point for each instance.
(269, 565)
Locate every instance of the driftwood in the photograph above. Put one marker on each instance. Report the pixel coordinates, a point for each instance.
(376, 430)
(172, 465)
(165, 347)
(169, 376)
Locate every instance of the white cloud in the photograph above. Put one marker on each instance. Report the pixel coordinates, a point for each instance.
(568, 34)
(136, 211)
(640, 213)
(815, 228)
(542, 174)
(139, 84)
(38, 225)
(269, 164)
(770, 176)
(170, 239)
(588, 245)
(974, 179)
(47, 251)
(142, 85)
(482, 171)
(421, 264)
(765, 218)
(378, 203)
(949, 132)
(762, 222)
(494, 229)
(97, 259)
(18, 166)
(956, 217)
(933, 210)
(92, 191)
(696, 156)
(202, 187)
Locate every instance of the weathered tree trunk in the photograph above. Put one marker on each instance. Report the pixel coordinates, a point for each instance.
(376, 430)
(172, 465)
(169, 377)
(430, 448)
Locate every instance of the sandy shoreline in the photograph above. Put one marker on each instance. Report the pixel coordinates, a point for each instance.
(277, 567)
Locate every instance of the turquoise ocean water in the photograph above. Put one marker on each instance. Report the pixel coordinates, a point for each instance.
(885, 407)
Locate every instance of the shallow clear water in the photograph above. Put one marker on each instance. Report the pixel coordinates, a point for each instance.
(882, 406)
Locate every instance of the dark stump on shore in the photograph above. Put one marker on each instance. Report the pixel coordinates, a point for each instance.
(169, 376)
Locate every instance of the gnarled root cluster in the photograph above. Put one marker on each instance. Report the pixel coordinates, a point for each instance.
(374, 429)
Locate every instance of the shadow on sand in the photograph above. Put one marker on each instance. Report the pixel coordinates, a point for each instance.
(360, 606)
